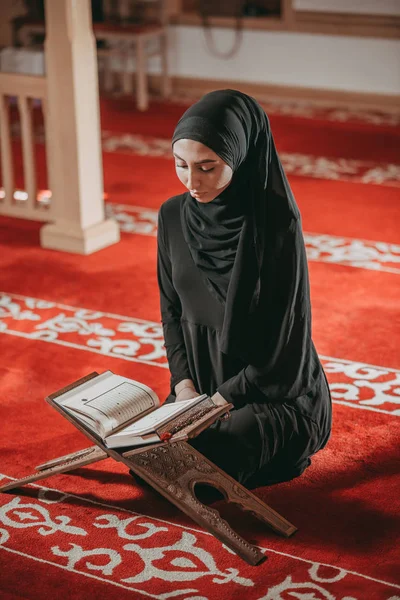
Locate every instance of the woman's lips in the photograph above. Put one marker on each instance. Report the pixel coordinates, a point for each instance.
(196, 194)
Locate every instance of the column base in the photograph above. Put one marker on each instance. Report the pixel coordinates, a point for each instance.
(70, 238)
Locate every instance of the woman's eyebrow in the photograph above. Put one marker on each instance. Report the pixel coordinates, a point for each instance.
(201, 162)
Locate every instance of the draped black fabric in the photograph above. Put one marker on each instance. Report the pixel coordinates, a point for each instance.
(248, 244)
(212, 231)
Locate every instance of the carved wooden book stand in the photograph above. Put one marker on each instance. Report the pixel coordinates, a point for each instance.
(173, 468)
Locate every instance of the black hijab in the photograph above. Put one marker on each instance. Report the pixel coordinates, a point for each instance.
(248, 242)
(212, 232)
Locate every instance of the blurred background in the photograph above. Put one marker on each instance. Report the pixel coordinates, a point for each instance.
(302, 48)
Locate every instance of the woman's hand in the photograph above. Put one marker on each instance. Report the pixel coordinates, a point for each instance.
(185, 390)
(186, 394)
(218, 399)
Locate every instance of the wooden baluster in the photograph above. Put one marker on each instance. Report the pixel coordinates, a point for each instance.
(126, 75)
(165, 78)
(48, 140)
(141, 75)
(28, 149)
(6, 151)
(108, 76)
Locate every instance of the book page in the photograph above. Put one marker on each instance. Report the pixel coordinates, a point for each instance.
(119, 405)
(109, 402)
(158, 417)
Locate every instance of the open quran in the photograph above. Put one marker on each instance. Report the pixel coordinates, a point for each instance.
(121, 411)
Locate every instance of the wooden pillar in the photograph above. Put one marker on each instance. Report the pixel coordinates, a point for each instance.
(73, 132)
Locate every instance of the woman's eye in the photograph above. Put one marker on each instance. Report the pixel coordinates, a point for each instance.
(202, 169)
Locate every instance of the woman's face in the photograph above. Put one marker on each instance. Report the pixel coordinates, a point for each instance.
(200, 170)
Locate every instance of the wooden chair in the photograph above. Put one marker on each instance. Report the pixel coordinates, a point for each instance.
(136, 30)
(137, 33)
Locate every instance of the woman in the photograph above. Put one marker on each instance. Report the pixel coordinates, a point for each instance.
(234, 292)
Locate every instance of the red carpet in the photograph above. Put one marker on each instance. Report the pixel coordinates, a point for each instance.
(92, 534)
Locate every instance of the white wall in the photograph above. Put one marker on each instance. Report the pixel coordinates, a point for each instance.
(358, 64)
(361, 7)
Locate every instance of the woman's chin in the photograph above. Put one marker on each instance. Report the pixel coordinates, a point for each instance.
(199, 197)
(204, 198)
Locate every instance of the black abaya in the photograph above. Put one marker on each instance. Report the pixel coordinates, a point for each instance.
(268, 438)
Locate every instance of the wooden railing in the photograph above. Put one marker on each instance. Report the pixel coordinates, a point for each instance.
(28, 203)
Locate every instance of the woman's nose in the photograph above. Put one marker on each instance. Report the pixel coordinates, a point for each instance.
(193, 181)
